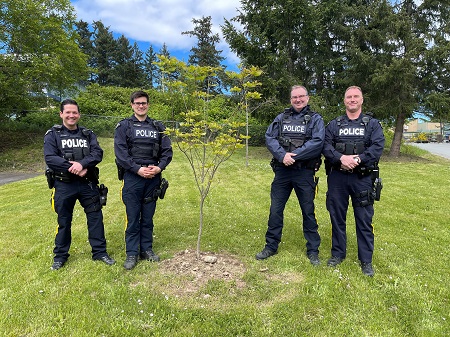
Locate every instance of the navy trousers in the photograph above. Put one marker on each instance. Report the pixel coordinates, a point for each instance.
(341, 186)
(65, 196)
(139, 227)
(301, 180)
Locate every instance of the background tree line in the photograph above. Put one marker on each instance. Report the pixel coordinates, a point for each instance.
(397, 51)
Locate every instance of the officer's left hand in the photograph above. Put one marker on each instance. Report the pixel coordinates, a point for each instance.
(154, 170)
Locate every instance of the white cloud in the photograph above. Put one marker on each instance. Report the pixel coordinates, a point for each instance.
(159, 21)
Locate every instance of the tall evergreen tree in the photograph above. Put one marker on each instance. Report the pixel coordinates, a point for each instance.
(205, 54)
(387, 48)
(86, 45)
(104, 53)
(160, 76)
(128, 71)
(149, 68)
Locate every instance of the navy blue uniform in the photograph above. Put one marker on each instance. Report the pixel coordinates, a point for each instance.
(62, 145)
(138, 144)
(364, 138)
(301, 133)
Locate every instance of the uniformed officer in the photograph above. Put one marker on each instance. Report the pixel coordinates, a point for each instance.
(142, 152)
(71, 153)
(353, 147)
(295, 139)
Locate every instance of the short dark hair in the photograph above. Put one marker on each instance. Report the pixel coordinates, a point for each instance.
(68, 101)
(138, 94)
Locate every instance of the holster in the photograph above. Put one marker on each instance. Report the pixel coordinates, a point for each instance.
(50, 175)
(103, 190)
(120, 171)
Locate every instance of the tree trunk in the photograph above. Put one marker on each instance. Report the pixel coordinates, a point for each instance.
(398, 134)
(202, 201)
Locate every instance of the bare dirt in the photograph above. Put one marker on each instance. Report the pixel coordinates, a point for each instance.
(192, 273)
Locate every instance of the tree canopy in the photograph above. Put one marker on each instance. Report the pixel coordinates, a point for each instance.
(397, 52)
(38, 51)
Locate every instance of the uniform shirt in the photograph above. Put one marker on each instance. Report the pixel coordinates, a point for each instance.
(312, 148)
(53, 155)
(121, 149)
(372, 152)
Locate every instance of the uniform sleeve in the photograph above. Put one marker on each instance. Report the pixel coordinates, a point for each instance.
(329, 151)
(52, 155)
(313, 147)
(166, 152)
(373, 153)
(272, 143)
(95, 155)
(123, 157)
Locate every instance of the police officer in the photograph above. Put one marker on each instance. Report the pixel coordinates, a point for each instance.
(142, 151)
(295, 139)
(71, 153)
(353, 146)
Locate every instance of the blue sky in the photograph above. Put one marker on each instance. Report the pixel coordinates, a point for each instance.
(154, 22)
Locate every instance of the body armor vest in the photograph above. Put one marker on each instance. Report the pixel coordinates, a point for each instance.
(74, 146)
(353, 136)
(294, 132)
(144, 140)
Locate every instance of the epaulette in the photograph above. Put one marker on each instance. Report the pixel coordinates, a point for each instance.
(56, 127)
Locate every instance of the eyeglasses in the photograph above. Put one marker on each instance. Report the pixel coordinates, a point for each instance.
(299, 96)
(140, 103)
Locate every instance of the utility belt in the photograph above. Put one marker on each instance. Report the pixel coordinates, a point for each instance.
(92, 175)
(121, 170)
(92, 178)
(369, 196)
(312, 164)
(362, 171)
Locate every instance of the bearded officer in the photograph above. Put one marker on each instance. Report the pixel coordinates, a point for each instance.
(142, 151)
(353, 147)
(295, 139)
(71, 154)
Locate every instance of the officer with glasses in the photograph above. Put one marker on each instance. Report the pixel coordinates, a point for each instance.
(142, 152)
(295, 139)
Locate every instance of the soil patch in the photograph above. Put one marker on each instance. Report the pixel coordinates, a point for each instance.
(190, 273)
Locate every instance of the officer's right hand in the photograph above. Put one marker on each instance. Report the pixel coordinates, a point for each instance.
(288, 158)
(348, 162)
(146, 172)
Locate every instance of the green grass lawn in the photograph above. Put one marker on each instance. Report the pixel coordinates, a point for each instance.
(282, 296)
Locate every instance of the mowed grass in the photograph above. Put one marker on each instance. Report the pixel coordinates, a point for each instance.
(282, 296)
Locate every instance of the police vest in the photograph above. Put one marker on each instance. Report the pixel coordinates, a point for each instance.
(294, 132)
(352, 137)
(144, 141)
(74, 146)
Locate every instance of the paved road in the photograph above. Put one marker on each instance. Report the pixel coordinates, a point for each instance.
(9, 177)
(440, 149)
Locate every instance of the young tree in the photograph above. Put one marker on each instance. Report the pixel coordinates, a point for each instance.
(245, 88)
(205, 143)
